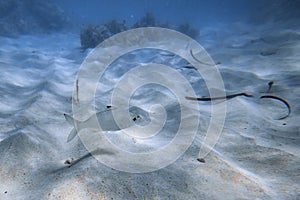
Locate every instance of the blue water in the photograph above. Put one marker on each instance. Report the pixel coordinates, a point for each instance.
(198, 13)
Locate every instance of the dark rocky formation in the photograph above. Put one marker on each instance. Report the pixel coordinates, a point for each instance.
(187, 29)
(147, 21)
(91, 36)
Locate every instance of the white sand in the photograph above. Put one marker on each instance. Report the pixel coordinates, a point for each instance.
(257, 156)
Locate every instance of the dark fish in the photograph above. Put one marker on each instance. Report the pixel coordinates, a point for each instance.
(199, 61)
(282, 100)
(246, 95)
(219, 98)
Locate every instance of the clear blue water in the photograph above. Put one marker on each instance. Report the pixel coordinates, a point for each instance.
(198, 13)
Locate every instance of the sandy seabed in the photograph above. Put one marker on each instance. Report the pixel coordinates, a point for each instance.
(256, 157)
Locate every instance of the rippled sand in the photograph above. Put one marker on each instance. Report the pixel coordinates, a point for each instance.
(257, 156)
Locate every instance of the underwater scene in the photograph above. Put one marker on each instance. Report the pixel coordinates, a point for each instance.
(149, 99)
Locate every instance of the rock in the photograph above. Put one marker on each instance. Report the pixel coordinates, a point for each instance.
(147, 21)
(91, 36)
(94, 35)
(187, 29)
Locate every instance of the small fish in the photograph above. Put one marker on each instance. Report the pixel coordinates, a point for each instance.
(269, 52)
(202, 160)
(270, 84)
(106, 120)
(90, 122)
(77, 88)
(219, 98)
(199, 61)
(286, 103)
(189, 67)
(168, 54)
